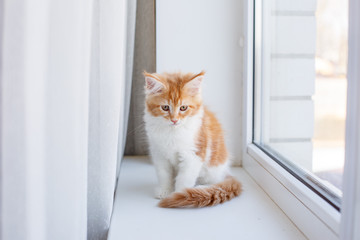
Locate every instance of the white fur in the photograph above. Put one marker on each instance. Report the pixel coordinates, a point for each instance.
(173, 151)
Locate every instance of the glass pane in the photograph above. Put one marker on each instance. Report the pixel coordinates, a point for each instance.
(300, 89)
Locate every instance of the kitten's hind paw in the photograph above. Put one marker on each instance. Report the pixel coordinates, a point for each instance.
(161, 193)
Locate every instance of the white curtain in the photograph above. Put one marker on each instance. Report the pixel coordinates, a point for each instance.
(110, 87)
(63, 75)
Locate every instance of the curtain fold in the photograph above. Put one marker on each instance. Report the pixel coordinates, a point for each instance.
(113, 30)
(64, 90)
(44, 114)
(129, 59)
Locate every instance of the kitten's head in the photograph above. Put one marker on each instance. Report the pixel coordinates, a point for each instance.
(173, 96)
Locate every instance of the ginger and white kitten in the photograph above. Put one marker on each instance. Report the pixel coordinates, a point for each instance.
(186, 143)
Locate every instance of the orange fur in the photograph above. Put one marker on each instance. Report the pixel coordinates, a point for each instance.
(203, 197)
(210, 132)
(174, 91)
(210, 135)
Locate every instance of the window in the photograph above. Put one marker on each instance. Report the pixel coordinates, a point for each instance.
(300, 90)
(295, 52)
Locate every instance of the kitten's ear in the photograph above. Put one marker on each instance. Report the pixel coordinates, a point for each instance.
(194, 85)
(152, 84)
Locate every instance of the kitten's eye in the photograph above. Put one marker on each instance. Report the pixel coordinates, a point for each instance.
(183, 108)
(165, 107)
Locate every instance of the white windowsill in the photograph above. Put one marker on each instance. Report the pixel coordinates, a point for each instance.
(315, 217)
(253, 215)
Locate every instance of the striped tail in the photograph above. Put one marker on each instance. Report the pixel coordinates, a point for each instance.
(203, 197)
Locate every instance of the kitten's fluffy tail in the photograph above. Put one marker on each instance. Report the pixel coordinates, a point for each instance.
(204, 197)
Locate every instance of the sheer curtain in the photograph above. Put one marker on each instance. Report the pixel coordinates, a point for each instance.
(110, 86)
(63, 84)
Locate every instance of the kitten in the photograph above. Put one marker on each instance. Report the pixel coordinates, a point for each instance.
(186, 143)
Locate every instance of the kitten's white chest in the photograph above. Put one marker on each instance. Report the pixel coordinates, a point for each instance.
(170, 141)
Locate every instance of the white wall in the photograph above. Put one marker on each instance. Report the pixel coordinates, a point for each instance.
(205, 35)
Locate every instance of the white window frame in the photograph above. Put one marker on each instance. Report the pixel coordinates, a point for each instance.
(350, 217)
(309, 212)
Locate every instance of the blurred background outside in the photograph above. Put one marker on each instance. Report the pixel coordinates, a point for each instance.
(330, 90)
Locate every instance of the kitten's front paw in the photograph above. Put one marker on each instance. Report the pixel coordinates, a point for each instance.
(161, 193)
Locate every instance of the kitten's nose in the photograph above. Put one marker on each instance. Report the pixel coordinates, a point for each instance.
(174, 120)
